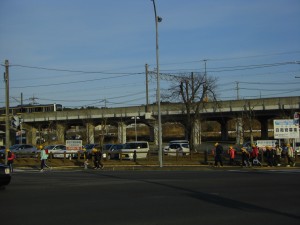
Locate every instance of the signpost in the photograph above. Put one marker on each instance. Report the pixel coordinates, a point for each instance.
(73, 145)
(285, 129)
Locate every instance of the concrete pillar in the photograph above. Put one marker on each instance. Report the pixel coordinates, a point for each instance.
(264, 127)
(60, 133)
(239, 131)
(30, 133)
(197, 132)
(90, 133)
(151, 133)
(121, 132)
(224, 129)
(155, 131)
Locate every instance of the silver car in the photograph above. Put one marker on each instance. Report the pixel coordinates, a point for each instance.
(23, 149)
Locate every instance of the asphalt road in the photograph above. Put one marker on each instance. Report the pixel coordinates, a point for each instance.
(216, 196)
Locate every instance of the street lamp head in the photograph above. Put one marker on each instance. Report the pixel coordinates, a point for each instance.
(159, 19)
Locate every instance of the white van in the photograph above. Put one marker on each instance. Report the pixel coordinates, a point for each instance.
(140, 147)
(175, 147)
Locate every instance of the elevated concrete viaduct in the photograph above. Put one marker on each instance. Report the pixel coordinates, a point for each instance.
(263, 110)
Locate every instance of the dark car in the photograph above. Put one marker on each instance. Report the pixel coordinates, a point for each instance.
(2, 152)
(88, 149)
(23, 149)
(113, 152)
(5, 176)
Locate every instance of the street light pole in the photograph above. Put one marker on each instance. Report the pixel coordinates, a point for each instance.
(157, 20)
(135, 117)
(7, 125)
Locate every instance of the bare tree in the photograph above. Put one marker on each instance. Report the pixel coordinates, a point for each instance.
(194, 90)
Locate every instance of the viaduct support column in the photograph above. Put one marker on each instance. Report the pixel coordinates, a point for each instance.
(30, 133)
(224, 129)
(121, 132)
(90, 133)
(239, 131)
(155, 130)
(197, 132)
(60, 132)
(264, 127)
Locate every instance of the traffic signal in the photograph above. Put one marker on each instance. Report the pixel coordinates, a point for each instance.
(15, 122)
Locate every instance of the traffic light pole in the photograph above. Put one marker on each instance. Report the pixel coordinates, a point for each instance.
(7, 125)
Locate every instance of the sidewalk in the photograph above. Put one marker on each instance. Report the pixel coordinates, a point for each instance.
(153, 167)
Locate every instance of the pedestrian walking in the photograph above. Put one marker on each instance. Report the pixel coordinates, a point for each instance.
(218, 154)
(270, 156)
(278, 151)
(245, 157)
(290, 156)
(254, 156)
(97, 159)
(231, 153)
(10, 160)
(44, 157)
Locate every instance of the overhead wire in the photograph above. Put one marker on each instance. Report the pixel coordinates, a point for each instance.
(126, 74)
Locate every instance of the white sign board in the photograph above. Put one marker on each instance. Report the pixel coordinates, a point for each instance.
(74, 145)
(285, 129)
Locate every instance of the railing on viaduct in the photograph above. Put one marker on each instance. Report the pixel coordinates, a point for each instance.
(262, 109)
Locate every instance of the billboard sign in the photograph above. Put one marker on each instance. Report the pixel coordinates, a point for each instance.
(285, 129)
(74, 145)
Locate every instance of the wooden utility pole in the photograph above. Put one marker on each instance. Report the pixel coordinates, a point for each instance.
(147, 90)
(7, 125)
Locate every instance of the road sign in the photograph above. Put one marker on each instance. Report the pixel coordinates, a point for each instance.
(285, 129)
(74, 145)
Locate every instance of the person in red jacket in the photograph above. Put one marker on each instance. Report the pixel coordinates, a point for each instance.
(254, 156)
(10, 160)
(231, 153)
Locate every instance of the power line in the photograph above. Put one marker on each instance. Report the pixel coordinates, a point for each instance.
(68, 70)
(72, 82)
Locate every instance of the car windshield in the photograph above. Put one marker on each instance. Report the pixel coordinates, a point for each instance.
(136, 145)
(88, 146)
(14, 146)
(116, 147)
(185, 145)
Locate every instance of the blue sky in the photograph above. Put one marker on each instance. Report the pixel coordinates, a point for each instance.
(93, 52)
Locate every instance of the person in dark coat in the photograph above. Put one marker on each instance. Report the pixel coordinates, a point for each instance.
(97, 159)
(270, 156)
(245, 157)
(218, 154)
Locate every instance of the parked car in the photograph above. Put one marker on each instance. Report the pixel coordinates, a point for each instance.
(181, 148)
(23, 149)
(5, 176)
(141, 148)
(88, 148)
(57, 150)
(2, 152)
(113, 152)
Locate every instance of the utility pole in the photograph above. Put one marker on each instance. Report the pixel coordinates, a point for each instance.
(205, 84)
(160, 156)
(147, 90)
(7, 126)
(237, 91)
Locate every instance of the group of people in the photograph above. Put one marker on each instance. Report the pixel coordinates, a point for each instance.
(273, 156)
(97, 155)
